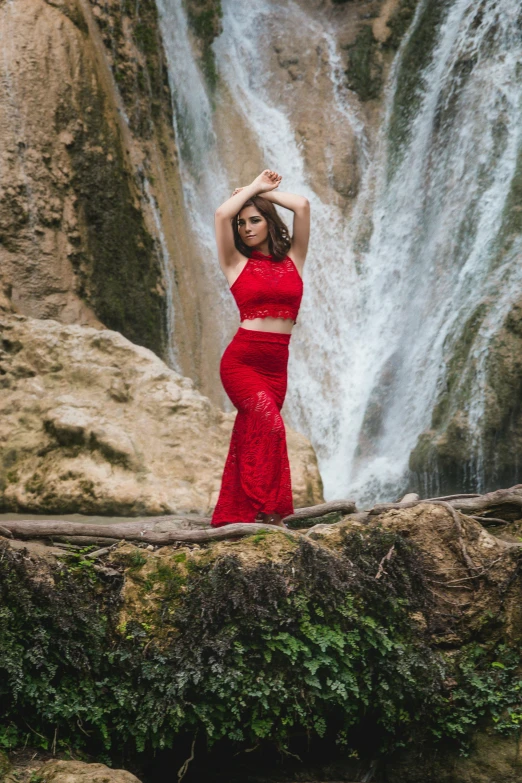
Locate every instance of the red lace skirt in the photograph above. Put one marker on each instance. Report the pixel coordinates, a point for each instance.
(256, 476)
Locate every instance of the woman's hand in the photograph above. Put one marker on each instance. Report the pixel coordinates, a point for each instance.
(266, 181)
(237, 190)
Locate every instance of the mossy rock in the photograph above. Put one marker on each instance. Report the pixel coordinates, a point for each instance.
(204, 17)
(117, 263)
(400, 21)
(447, 456)
(416, 56)
(273, 639)
(364, 72)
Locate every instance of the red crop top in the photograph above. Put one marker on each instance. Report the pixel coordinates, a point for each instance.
(268, 288)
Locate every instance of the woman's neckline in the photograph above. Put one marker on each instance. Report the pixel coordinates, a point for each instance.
(261, 256)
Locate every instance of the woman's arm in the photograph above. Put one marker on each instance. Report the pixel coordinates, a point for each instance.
(227, 252)
(300, 206)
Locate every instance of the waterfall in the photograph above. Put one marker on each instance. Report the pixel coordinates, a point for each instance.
(389, 288)
(442, 177)
(205, 183)
(168, 276)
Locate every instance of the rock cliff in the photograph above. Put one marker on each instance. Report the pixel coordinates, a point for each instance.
(449, 455)
(78, 236)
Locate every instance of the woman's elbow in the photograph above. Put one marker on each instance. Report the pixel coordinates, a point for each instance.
(304, 204)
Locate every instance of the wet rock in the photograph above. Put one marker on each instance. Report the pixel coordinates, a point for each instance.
(458, 451)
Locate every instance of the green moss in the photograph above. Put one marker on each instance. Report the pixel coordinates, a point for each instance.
(204, 17)
(416, 56)
(364, 72)
(400, 21)
(137, 560)
(117, 263)
(4, 765)
(146, 36)
(511, 228)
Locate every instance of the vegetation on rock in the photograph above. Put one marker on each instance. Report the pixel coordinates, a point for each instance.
(365, 70)
(415, 57)
(204, 17)
(267, 641)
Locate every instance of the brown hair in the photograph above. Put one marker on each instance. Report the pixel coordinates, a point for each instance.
(278, 238)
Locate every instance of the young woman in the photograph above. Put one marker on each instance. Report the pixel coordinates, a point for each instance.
(264, 269)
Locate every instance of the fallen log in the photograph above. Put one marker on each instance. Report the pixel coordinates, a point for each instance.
(144, 529)
(312, 512)
(136, 531)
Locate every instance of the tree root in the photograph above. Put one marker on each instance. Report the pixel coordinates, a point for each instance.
(182, 771)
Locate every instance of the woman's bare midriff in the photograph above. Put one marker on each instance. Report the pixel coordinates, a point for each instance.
(269, 324)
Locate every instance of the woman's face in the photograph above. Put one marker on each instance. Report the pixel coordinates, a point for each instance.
(252, 227)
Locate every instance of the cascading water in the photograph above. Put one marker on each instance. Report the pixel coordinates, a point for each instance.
(443, 175)
(168, 275)
(388, 290)
(205, 183)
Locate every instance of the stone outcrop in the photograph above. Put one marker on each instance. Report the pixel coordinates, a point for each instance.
(91, 423)
(457, 448)
(61, 771)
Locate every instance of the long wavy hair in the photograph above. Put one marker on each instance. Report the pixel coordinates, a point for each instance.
(278, 238)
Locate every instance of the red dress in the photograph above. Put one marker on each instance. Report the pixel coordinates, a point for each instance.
(253, 370)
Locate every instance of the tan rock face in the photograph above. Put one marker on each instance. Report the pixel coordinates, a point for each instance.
(91, 423)
(79, 772)
(85, 129)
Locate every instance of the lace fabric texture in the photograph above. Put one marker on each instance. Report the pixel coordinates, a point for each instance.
(256, 476)
(268, 288)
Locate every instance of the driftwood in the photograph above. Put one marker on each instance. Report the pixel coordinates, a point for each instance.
(312, 512)
(143, 529)
(136, 531)
(83, 534)
(489, 521)
(464, 503)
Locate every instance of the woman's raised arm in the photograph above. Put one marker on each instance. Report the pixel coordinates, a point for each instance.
(300, 206)
(227, 251)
